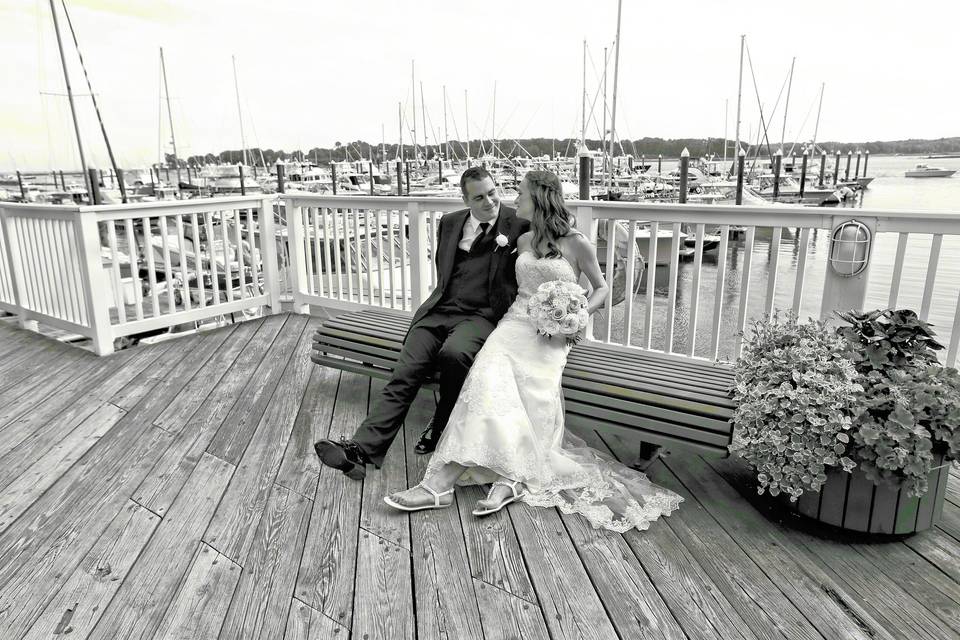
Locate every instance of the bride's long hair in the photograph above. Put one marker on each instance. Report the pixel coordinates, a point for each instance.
(551, 218)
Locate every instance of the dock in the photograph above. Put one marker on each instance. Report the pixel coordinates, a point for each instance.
(171, 491)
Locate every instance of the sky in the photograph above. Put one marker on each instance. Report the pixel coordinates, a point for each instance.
(315, 73)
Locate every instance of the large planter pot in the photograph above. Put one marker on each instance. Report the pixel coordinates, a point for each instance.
(852, 502)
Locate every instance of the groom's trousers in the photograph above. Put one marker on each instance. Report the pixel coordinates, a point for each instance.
(439, 342)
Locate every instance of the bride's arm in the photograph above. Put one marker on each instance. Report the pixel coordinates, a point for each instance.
(590, 267)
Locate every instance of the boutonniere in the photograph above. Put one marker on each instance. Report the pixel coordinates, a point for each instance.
(502, 241)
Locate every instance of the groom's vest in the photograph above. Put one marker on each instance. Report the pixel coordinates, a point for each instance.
(468, 288)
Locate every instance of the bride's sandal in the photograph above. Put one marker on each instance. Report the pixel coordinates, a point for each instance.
(436, 500)
(513, 497)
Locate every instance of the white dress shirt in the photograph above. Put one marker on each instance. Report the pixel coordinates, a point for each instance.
(471, 229)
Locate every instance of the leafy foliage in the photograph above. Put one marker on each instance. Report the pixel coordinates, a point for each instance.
(795, 394)
(910, 410)
(871, 393)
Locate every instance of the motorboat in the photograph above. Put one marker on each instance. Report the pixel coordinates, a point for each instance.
(923, 171)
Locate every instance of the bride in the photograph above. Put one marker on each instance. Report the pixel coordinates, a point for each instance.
(507, 426)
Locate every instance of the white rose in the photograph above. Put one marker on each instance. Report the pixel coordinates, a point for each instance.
(570, 324)
(502, 240)
(550, 327)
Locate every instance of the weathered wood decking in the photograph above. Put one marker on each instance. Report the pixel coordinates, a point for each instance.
(171, 491)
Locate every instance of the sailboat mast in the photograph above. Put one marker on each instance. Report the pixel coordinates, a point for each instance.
(73, 108)
(236, 88)
(816, 127)
(413, 95)
(96, 107)
(583, 108)
(423, 112)
(466, 115)
(783, 132)
(493, 126)
(400, 121)
(173, 138)
(736, 151)
(603, 141)
(446, 137)
(613, 111)
(726, 116)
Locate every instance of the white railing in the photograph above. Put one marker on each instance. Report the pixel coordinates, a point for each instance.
(696, 274)
(744, 263)
(111, 271)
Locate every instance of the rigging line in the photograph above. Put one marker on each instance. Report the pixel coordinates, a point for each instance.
(800, 131)
(96, 107)
(756, 92)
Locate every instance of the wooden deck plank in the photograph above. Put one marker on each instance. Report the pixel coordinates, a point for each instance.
(175, 416)
(505, 616)
(300, 468)
(141, 386)
(78, 606)
(755, 597)
(950, 521)
(232, 529)
(375, 516)
(38, 477)
(941, 550)
(898, 562)
(570, 605)
(31, 391)
(953, 488)
(328, 565)
(492, 547)
(896, 610)
(383, 597)
(49, 540)
(29, 361)
(260, 607)
(443, 588)
(71, 405)
(230, 444)
(143, 598)
(306, 623)
(222, 407)
(813, 591)
(198, 609)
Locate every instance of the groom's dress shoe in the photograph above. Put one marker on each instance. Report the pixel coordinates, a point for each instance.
(344, 455)
(428, 440)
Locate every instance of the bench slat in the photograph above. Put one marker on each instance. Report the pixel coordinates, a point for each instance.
(577, 421)
(582, 399)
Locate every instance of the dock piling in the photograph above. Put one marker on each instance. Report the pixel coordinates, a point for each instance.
(741, 157)
(823, 166)
(23, 192)
(777, 161)
(836, 170)
(856, 172)
(280, 178)
(243, 187)
(846, 174)
(803, 173)
(95, 196)
(333, 177)
(684, 170)
(866, 159)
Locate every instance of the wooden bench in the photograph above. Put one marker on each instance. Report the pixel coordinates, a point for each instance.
(635, 394)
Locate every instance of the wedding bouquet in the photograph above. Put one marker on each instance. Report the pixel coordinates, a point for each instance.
(559, 308)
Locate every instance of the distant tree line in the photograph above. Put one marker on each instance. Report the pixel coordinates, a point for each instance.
(553, 147)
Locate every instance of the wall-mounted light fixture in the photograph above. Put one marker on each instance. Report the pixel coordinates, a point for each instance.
(850, 248)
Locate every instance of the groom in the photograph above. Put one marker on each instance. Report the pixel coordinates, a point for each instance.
(476, 285)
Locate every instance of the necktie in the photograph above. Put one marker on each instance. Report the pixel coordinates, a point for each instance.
(480, 233)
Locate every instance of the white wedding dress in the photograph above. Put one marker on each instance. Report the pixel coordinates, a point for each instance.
(508, 421)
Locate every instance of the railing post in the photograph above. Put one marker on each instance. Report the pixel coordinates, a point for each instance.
(843, 293)
(268, 251)
(298, 259)
(94, 282)
(17, 277)
(419, 263)
(587, 225)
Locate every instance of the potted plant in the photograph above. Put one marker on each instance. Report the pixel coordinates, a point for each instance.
(855, 426)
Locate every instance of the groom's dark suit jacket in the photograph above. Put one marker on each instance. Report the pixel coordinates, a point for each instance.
(502, 278)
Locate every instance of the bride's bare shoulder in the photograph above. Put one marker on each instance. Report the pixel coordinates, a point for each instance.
(523, 240)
